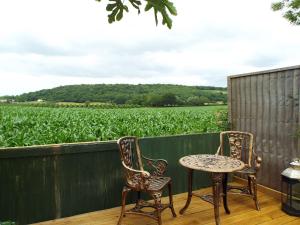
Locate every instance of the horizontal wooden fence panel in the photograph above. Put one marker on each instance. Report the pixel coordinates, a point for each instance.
(266, 104)
(46, 182)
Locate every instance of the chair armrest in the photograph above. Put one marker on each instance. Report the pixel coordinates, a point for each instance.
(218, 151)
(257, 161)
(159, 165)
(143, 173)
(138, 179)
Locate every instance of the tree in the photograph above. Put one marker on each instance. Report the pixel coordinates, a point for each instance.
(158, 100)
(290, 8)
(163, 7)
(197, 100)
(153, 100)
(168, 99)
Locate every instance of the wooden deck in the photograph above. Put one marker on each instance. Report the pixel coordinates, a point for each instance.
(199, 212)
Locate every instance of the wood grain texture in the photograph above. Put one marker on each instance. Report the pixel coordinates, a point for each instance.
(199, 213)
(48, 182)
(272, 114)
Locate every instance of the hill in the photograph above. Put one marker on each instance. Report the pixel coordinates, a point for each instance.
(141, 94)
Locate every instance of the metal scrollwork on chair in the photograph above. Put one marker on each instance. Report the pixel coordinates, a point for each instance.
(159, 165)
(139, 180)
(241, 147)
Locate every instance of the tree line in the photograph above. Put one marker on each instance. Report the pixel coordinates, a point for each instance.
(120, 94)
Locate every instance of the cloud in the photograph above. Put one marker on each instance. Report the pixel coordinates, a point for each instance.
(44, 44)
(264, 60)
(29, 45)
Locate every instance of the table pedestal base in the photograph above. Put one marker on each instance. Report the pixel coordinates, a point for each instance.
(218, 180)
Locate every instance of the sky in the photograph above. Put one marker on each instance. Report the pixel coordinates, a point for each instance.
(50, 43)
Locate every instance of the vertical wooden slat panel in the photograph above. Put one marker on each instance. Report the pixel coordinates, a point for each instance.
(233, 122)
(248, 100)
(298, 85)
(288, 115)
(242, 104)
(273, 128)
(253, 90)
(296, 114)
(238, 104)
(265, 123)
(280, 113)
(258, 135)
(253, 80)
(229, 98)
(25, 185)
(297, 108)
(274, 115)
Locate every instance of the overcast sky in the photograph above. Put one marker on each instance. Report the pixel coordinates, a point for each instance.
(49, 43)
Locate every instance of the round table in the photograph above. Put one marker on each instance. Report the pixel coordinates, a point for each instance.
(219, 166)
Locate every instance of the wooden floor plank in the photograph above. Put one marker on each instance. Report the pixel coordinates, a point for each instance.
(199, 213)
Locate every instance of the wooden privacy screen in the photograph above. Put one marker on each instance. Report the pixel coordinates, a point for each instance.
(266, 103)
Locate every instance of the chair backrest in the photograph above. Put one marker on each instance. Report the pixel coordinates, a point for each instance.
(130, 152)
(240, 145)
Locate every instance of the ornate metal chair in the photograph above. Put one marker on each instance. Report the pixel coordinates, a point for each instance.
(140, 180)
(241, 147)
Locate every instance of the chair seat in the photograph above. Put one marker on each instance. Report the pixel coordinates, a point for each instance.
(157, 183)
(247, 170)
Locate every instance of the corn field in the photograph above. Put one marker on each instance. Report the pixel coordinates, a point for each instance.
(26, 126)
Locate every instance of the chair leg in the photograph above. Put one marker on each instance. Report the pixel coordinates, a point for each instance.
(250, 185)
(157, 200)
(171, 199)
(254, 184)
(138, 198)
(124, 194)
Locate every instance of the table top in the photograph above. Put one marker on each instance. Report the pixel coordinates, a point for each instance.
(212, 163)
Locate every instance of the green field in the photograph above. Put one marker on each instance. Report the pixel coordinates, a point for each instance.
(26, 126)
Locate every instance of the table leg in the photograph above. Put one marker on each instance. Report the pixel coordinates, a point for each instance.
(216, 180)
(190, 191)
(224, 181)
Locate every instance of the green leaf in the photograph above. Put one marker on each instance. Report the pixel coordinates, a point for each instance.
(125, 8)
(295, 4)
(116, 9)
(171, 8)
(111, 17)
(164, 7)
(110, 7)
(277, 6)
(155, 15)
(290, 8)
(167, 20)
(148, 7)
(119, 15)
(290, 16)
(136, 4)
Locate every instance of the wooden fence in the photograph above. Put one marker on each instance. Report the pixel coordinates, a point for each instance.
(266, 103)
(46, 182)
